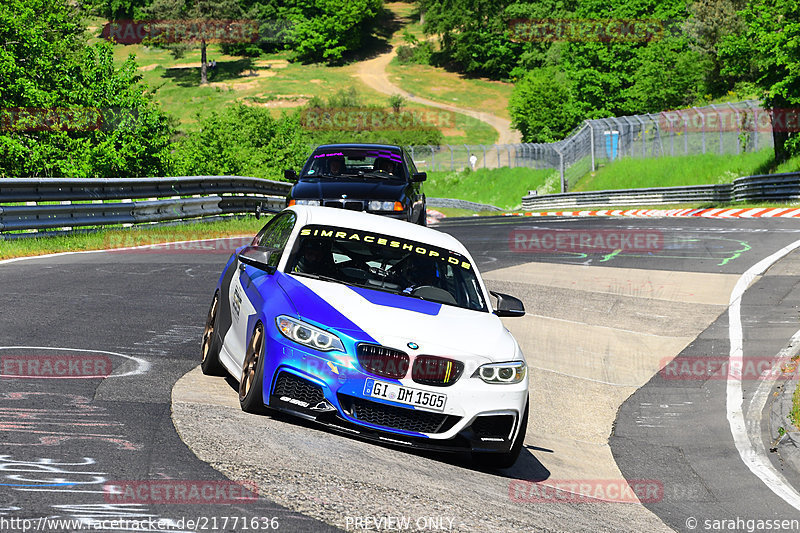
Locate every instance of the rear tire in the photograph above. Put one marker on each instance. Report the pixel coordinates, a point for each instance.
(423, 218)
(507, 459)
(251, 398)
(210, 347)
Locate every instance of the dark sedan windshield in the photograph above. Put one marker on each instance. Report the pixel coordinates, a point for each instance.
(369, 163)
(386, 263)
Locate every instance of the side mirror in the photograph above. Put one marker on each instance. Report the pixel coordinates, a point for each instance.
(419, 176)
(290, 174)
(258, 257)
(508, 305)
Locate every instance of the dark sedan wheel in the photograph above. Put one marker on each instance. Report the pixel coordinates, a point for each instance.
(210, 346)
(423, 217)
(251, 384)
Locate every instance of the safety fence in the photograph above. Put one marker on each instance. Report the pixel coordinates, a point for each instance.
(730, 128)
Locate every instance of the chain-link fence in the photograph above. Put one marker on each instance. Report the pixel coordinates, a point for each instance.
(730, 128)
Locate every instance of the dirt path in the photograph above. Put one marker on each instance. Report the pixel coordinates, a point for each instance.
(373, 73)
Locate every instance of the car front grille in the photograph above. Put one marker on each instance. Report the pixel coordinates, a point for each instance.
(383, 361)
(352, 205)
(436, 371)
(496, 426)
(400, 418)
(298, 388)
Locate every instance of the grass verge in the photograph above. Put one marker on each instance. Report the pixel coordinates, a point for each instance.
(502, 187)
(144, 235)
(452, 88)
(703, 169)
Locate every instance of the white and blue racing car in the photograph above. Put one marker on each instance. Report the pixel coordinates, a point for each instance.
(373, 327)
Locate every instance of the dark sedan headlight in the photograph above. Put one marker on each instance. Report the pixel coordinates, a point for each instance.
(382, 205)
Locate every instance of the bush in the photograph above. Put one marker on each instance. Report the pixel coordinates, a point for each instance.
(420, 53)
(542, 106)
(243, 141)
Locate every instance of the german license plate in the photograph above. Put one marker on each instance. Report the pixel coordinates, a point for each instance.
(397, 393)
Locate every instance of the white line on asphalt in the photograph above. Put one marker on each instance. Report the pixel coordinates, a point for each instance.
(758, 463)
(142, 366)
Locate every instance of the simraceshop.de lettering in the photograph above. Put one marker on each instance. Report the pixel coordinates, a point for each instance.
(369, 238)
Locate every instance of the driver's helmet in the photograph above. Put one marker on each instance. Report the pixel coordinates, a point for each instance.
(422, 271)
(336, 164)
(383, 165)
(314, 256)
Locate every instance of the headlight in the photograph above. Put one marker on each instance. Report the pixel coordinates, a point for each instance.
(308, 335)
(378, 205)
(508, 373)
(306, 202)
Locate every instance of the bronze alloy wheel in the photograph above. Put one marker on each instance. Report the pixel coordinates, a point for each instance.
(208, 332)
(251, 360)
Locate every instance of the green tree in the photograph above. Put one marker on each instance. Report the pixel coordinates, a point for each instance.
(109, 124)
(324, 30)
(709, 23)
(244, 141)
(543, 107)
(768, 50)
(668, 76)
(185, 12)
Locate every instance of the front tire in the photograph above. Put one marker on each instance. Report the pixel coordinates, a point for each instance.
(210, 347)
(251, 397)
(507, 459)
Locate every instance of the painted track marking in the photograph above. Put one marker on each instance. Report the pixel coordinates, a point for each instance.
(758, 463)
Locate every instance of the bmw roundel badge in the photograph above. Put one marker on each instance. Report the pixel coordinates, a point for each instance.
(413, 345)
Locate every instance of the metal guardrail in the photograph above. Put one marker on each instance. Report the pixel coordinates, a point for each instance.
(30, 203)
(770, 187)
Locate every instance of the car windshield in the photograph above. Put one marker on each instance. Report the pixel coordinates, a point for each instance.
(386, 263)
(379, 164)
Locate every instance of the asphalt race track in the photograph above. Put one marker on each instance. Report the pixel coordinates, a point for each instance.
(123, 405)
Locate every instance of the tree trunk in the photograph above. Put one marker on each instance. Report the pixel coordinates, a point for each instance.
(203, 63)
(780, 134)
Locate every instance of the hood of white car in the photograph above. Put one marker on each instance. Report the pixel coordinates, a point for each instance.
(402, 322)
